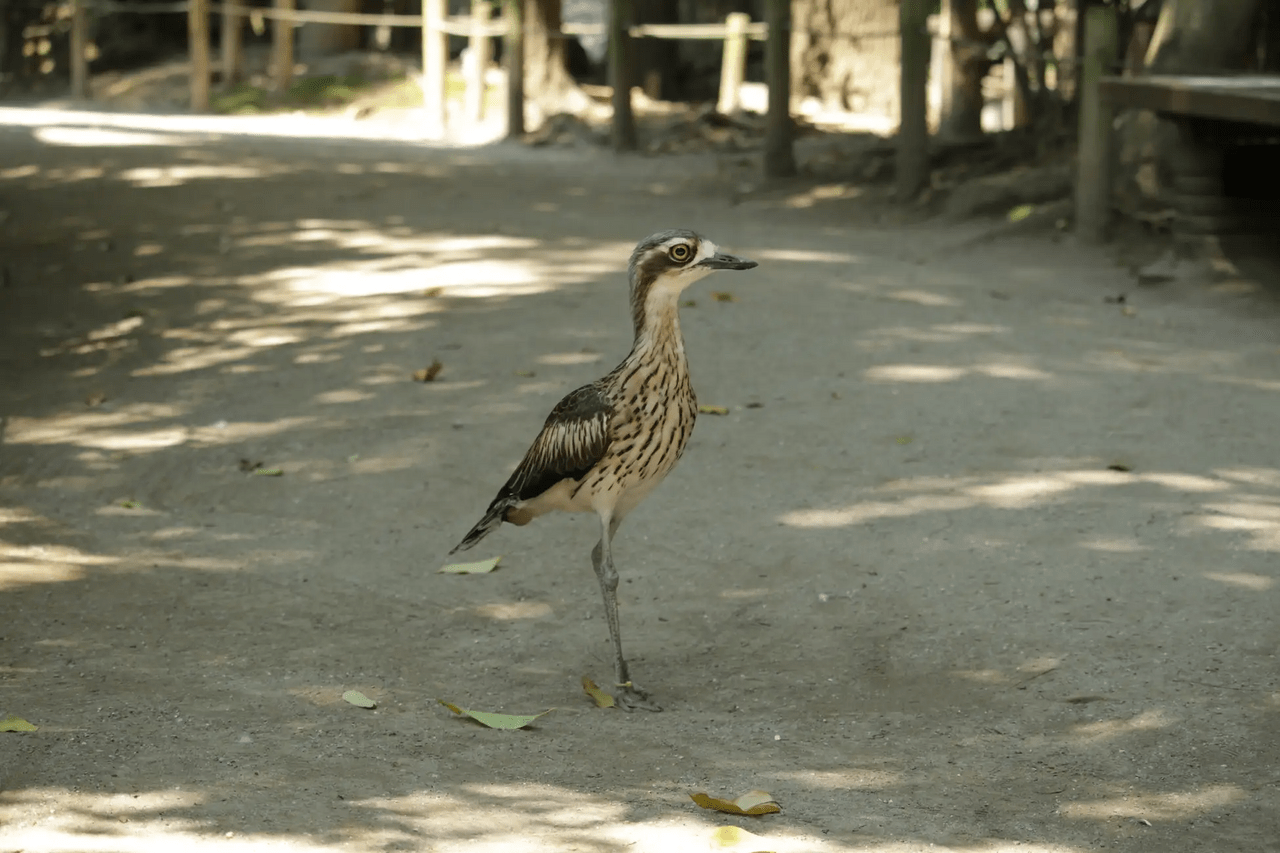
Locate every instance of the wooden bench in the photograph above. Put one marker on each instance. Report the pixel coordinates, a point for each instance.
(1252, 99)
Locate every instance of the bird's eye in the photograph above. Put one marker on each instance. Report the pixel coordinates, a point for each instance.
(681, 253)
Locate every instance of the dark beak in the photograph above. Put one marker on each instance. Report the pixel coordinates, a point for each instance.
(721, 261)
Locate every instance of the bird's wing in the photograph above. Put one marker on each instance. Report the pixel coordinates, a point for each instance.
(574, 438)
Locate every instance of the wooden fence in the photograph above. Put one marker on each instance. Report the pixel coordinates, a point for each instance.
(478, 28)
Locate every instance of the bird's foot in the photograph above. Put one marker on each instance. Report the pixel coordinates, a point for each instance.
(632, 697)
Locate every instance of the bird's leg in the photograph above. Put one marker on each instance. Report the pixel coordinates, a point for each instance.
(630, 696)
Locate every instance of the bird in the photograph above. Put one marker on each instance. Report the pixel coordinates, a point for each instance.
(606, 445)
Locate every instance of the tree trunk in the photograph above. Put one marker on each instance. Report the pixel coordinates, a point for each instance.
(969, 64)
(548, 87)
(1204, 36)
(656, 60)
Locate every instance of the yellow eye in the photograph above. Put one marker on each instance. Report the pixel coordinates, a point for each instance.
(681, 253)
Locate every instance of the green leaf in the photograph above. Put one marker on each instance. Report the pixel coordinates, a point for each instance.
(16, 724)
(269, 472)
(130, 504)
(496, 721)
(479, 567)
(1021, 212)
(708, 409)
(355, 697)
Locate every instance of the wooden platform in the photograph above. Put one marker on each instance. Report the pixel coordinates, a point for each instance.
(1250, 99)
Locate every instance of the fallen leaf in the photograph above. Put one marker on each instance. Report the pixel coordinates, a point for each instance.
(130, 504)
(479, 567)
(755, 405)
(1119, 466)
(705, 409)
(496, 721)
(736, 838)
(269, 472)
(750, 803)
(1021, 212)
(16, 724)
(428, 373)
(690, 303)
(722, 296)
(355, 697)
(904, 439)
(602, 699)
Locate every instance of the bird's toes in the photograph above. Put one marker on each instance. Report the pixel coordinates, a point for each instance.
(631, 697)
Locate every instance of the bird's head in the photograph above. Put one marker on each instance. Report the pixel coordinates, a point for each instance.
(666, 263)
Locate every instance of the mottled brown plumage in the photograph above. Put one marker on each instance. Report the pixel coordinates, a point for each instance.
(605, 446)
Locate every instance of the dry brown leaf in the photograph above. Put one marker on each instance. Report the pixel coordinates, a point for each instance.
(751, 803)
(428, 373)
(602, 699)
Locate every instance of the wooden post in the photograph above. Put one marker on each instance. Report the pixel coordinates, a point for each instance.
(513, 57)
(1093, 181)
(479, 54)
(198, 48)
(913, 127)
(779, 152)
(733, 65)
(282, 48)
(79, 50)
(940, 68)
(232, 26)
(624, 123)
(435, 59)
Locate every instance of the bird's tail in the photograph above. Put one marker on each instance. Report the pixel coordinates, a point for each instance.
(492, 521)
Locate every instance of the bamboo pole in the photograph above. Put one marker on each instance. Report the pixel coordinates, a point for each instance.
(198, 49)
(913, 127)
(479, 53)
(79, 50)
(733, 65)
(1093, 180)
(435, 58)
(624, 123)
(779, 151)
(282, 48)
(513, 58)
(232, 54)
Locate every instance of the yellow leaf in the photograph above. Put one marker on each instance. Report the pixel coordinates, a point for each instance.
(479, 567)
(753, 802)
(750, 803)
(904, 439)
(706, 409)
(736, 838)
(1021, 212)
(355, 697)
(15, 724)
(130, 504)
(269, 472)
(496, 721)
(722, 296)
(602, 699)
(428, 373)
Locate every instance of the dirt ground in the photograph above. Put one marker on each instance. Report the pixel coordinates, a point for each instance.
(983, 557)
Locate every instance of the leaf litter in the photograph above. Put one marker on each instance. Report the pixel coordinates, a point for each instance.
(602, 699)
(496, 721)
(355, 697)
(479, 567)
(753, 803)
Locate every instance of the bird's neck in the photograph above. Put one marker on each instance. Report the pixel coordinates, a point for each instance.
(657, 327)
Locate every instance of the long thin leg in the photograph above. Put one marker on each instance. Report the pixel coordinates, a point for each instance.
(630, 696)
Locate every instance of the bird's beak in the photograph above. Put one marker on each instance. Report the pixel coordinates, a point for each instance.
(721, 261)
